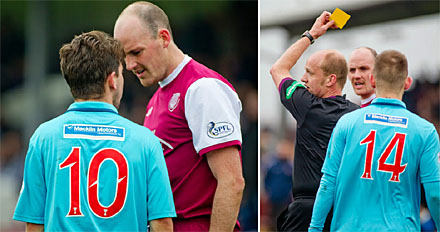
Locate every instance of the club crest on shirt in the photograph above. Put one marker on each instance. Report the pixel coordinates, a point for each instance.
(220, 129)
(174, 101)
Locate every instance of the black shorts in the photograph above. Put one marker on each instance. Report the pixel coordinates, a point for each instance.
(297, 216)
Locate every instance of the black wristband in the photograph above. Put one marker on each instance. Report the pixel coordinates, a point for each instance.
(308, 35)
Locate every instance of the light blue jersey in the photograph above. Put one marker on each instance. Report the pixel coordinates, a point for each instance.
(91, 169)
(379, 155)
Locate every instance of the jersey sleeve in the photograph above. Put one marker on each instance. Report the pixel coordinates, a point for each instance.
(159, 195)
(335, 150)
(212, 110)
(32, 200)
(430, 160)
(295, 97)
(323, 202)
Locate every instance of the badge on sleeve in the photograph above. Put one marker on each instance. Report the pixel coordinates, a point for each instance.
(291, 89)
(220, 129)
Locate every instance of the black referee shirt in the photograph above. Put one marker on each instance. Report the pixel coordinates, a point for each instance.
(316, 118)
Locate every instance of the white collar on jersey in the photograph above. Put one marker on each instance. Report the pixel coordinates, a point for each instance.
(370, 98)
(176, 72)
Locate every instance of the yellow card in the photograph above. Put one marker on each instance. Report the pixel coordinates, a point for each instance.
(340, 17)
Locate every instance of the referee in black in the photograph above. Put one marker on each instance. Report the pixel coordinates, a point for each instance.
(316, 105)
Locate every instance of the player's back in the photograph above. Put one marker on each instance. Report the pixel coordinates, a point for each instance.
(378, 184)
(100, 171)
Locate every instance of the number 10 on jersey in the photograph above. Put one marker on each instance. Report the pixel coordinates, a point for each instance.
(73, 162)
(396, 169)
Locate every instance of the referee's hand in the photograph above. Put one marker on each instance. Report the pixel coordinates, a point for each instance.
(322, 24)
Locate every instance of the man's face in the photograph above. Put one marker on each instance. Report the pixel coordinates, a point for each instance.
(120, 88)
(360, 66)
(145, 56)
(314, 77)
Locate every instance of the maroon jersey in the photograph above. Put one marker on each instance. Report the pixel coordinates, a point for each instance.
(194, 111)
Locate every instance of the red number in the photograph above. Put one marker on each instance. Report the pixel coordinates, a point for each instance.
(396, 168)
(121, 187)
(73, 162)
(369, 156)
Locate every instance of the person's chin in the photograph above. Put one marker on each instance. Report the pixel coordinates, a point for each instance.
(360, 92)
(148, 82)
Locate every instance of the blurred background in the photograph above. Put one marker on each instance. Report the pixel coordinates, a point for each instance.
(411, 27)
(223, 35)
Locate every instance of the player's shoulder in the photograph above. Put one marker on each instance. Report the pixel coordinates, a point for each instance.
(135, 133)
(352, 117)
(211, 84)
(210, 88)
(200, 69)
(354, 111)
(50, 127)
(352, 106)
(198, 72)
(291, 89)
(133, 127)
(418, 122)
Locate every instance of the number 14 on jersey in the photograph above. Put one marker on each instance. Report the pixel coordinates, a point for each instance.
(396, 169)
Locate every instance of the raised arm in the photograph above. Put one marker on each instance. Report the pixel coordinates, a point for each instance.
(283, 65)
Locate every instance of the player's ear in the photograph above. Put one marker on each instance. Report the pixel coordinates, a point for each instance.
(372, 81)
(111, 80)
(408, 82)
(165, 36)
(331, 80)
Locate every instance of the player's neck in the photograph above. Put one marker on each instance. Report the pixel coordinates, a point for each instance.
(389, 94)
(107, 98)
(332, 93)
(367, 98)
(175, 57)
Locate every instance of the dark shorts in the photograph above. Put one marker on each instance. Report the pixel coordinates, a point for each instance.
(297, 216)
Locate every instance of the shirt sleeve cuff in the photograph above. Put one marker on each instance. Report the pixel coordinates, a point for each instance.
(154, 216)
(282, 82)
(219, 146)
(35, 220)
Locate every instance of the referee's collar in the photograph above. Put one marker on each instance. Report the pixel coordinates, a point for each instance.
(92, 106)
(176, 72)
(388, 101)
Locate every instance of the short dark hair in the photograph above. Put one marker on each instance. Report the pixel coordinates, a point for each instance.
(87, 61)
(390, 69)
